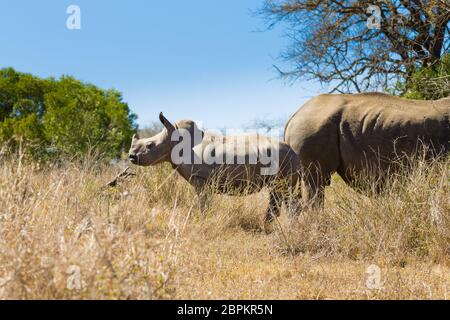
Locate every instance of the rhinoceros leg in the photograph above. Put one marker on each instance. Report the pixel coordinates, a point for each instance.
(203, 194)
(273, 211)
(316, 142)
(313, 186)
(292, 196)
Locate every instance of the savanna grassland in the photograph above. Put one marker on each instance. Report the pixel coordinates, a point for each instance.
(62, 237)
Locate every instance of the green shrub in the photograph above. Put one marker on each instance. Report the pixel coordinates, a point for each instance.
(49, 118)
(430, 83)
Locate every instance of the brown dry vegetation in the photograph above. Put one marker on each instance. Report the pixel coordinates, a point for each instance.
(61, 238)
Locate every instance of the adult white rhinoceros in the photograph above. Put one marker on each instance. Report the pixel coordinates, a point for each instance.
(362, 134)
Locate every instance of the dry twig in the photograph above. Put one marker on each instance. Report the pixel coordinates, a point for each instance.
(125, 174)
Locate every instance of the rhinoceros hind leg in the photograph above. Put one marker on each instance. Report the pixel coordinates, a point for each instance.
(293, 200)
(313, 187)
(275, 203)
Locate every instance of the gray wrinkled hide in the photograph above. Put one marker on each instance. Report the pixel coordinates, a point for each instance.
(363, 134)
(231, 179)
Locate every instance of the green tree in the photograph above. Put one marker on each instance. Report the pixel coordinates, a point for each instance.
(430, 83)
(21, 109)
(62, 118)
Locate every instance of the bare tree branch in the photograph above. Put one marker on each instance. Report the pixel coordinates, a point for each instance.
(332, 43)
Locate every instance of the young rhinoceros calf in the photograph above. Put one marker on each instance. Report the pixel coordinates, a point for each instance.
(233, 165)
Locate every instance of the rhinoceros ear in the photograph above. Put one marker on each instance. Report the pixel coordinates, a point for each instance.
(169, 126)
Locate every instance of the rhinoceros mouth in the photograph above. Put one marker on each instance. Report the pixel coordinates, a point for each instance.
(134, 159)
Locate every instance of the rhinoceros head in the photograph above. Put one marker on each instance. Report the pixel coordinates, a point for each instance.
(153, 150)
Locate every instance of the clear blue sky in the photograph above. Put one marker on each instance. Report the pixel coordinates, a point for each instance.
(198, 59)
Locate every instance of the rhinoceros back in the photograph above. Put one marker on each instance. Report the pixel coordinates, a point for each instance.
(341, 132)
(391, 127)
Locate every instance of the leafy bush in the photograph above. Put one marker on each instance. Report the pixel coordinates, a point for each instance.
(432, 82)
(49, 118)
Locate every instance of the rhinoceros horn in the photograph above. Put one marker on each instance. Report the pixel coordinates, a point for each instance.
(169, 126)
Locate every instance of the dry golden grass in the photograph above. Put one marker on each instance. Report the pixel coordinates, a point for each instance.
(60, 238)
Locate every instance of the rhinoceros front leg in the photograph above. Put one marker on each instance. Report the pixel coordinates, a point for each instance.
(203, 195)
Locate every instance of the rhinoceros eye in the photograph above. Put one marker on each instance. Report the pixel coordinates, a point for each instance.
(149, 146)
